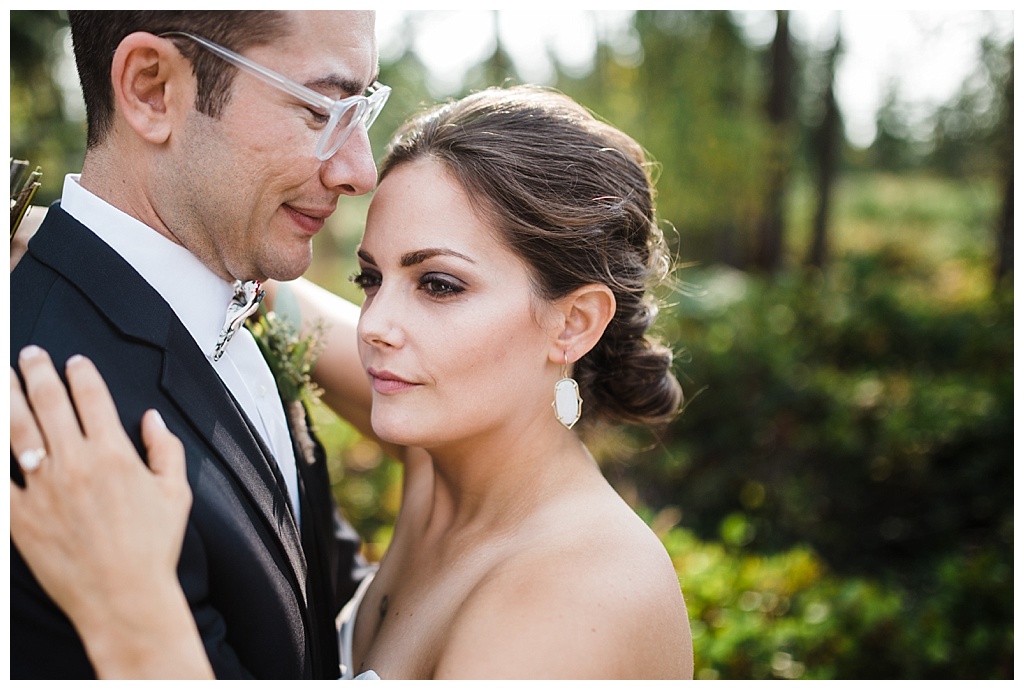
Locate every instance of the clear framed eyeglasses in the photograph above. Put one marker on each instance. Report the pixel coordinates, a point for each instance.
(342, 115)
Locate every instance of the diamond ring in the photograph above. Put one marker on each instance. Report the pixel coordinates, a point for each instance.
(31, 458)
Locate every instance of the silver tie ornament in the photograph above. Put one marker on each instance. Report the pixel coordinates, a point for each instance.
(244, 303)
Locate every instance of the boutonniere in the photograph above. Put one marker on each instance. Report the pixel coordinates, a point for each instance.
(291, 355)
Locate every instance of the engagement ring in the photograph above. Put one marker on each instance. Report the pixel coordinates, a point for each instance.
(30, 459)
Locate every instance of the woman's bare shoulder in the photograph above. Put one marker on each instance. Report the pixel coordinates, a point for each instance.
(592, 594)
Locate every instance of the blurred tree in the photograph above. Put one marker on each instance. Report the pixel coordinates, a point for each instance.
(1004, 149)
(689, 94)
(779, 108)
(406, 74)
(893, 148)
(972, 136)
(827, 139)
(969, 131)
(42, 131)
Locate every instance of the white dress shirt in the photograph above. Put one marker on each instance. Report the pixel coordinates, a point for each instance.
(199, 297)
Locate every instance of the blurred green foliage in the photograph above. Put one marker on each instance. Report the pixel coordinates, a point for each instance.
(838, 494)
(788, 615)
(43, 130)
(847, 452)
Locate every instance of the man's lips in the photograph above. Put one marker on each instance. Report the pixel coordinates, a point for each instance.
(385, 382)
(311, 220)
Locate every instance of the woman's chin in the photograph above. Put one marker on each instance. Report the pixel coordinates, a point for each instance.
(397, 431)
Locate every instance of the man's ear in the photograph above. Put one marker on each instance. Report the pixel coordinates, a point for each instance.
(152, 83)
(586, 312)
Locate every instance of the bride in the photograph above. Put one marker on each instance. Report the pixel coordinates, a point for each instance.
(507, 261)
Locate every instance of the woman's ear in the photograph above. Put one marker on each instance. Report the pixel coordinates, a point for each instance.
(586, 313)
(152, 83)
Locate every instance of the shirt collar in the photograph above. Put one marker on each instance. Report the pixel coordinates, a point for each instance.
(197, 295)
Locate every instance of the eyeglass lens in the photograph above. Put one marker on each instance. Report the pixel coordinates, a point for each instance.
(364, 112)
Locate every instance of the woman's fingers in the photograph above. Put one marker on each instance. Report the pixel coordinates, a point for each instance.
(27, 442)
(166, 456)
(61, 421)
(82, 425)
(97, 412)
(50, 404)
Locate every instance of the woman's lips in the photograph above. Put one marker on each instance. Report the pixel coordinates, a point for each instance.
(387, 383)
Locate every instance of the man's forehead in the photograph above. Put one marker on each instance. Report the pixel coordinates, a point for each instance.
(330, 51)
(345, 25)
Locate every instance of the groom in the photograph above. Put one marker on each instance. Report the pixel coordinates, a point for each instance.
(201, 171)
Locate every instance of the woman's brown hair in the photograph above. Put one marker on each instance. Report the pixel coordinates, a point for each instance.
(573, 197)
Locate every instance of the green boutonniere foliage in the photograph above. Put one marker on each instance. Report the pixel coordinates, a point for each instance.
(290, 354)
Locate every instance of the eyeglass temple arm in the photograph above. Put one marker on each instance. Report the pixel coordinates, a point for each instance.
(261, 72)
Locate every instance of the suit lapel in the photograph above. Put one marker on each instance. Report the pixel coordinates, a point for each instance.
(188, 378)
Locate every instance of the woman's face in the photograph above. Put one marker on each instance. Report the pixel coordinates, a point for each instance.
(450, 334)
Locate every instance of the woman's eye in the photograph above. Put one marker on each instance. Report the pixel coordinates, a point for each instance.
(366, 281)
(440, 286)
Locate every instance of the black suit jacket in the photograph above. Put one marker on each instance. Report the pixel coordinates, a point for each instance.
(264, 596)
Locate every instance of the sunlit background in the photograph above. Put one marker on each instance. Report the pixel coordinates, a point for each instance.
(924, 55)
(837, 495)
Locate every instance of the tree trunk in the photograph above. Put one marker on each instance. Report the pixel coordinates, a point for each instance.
(779, 109)
(1004, 237)
(828, 147)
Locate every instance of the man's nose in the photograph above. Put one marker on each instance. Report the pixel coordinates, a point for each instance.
(351, 170)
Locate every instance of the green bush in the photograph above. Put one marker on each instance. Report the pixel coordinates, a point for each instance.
(788, 615)
(836, 412)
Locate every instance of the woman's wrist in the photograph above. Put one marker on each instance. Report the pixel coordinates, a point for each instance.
(158, 640)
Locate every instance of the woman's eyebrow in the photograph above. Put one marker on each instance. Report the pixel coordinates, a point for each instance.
(421, 255)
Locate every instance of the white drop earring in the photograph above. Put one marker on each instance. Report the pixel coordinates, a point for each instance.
(568, 404)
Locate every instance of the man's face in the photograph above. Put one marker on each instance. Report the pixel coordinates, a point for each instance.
(247, 191)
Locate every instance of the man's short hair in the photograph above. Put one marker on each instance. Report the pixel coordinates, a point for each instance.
(97, 34)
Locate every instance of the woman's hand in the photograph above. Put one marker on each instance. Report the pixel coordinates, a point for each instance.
(101, 532)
